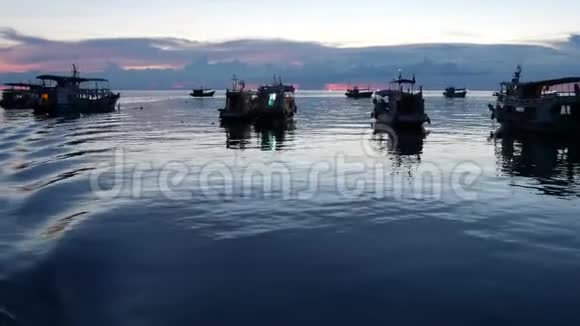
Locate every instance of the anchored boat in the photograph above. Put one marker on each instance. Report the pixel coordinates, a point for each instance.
(73, 95)
(551, 106)
(452, 92)
(275, 102)
(356, 93)
(400, 105)
(267, 104)
(240, 103)
(20, 96)
(202, 92)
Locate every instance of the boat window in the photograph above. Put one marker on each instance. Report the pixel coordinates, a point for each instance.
(520, 109)
(566, 110)
(272, 100)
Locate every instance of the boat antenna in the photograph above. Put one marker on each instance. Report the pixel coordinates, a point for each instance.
(75, 71)
(517, 74)
(234, 82)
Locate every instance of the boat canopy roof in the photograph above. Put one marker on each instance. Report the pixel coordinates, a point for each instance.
(277, 88)
(65, 79)
(549, 82)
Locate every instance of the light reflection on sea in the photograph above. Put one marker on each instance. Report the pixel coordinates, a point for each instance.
(416, 243)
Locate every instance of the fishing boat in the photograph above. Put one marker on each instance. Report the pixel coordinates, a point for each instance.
(551, 106)
(63, 95)
(240, 103)
(202, 92)
(275, 102)
(401, 105)
(357, 93)
(20, 96)
(452, 92)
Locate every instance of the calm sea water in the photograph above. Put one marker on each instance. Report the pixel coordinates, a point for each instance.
(157, 215)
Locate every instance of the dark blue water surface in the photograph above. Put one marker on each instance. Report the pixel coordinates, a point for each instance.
(160, 216)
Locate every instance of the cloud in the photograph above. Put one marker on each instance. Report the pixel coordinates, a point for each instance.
(162, 62)
(94, 54)
(11, 34)
(574, 40)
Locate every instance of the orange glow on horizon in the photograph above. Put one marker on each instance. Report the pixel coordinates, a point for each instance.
(178, 85)
(336, 87)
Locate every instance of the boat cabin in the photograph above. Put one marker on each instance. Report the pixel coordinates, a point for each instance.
(275, 101)
(562, 87)
(20, 95)
(239, 102)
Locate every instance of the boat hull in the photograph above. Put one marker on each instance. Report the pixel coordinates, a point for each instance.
(23, 102)
(205, 94)
(359, 95)
(81, 106)
(456, 95)
(561, 128)
(558, 115)
(265, 118)
(404, 122)
(229, 116)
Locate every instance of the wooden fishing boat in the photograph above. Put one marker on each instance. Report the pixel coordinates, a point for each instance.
(452, 92)
(551, 106)
(202, 92)
(357, 93)
(400, 105)
(240, 103)
(275, 102)
(63, 95)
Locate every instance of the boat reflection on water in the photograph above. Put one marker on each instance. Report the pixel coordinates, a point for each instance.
(402, 145)
(552, 162)
(238, 134)
(270, 137)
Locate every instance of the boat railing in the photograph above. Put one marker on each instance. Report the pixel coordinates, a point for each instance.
(93, 93)
(395, 88)
(531, 101)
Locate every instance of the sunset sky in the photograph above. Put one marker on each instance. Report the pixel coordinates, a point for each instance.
(359, 23)
(187, 42)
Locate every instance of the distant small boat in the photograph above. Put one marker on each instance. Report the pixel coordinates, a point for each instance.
(452, 92)
(202, 92)
(357, 93)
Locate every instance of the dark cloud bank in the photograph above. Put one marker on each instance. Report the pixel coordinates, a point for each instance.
(311, 65)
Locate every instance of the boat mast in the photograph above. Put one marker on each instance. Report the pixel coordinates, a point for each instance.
(517, 75)
(75, 71)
